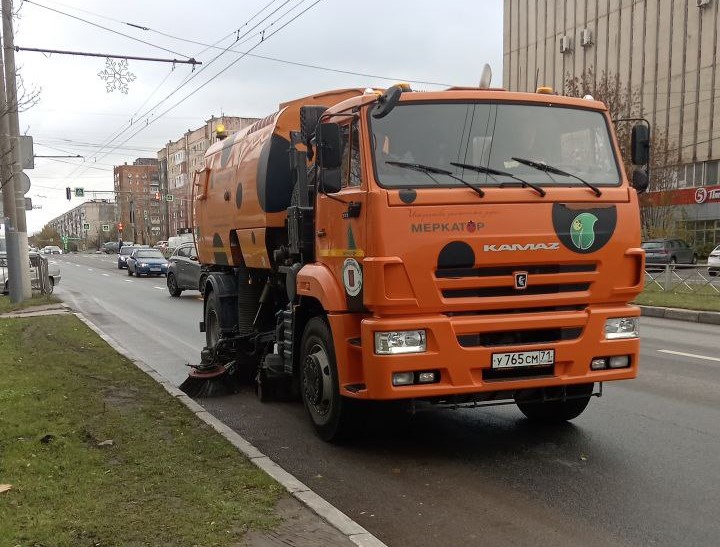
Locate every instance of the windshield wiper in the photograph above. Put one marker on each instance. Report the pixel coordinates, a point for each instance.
(494, 172)
(427, 169)
(556, 171)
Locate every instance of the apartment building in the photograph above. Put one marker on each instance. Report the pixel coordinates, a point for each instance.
(182, 158)
(140, 207)
(88, 225)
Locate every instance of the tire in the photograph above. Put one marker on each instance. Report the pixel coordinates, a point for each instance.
(51, 286)
(172, 285)
(694, 259)
(212, 321)
(330, 413)
(119, 266)
(201, 284)
(558, 411)
(673, 262)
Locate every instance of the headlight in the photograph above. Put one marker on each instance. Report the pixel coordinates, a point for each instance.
(143, 265)
(622, 327)
(406, 341)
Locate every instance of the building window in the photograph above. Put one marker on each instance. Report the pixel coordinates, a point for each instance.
(711, 173)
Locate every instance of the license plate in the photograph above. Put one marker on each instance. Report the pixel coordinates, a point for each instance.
(154, 269)
(523, 358)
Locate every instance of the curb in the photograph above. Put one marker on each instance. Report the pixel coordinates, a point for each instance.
(679, 314)
(328, 512)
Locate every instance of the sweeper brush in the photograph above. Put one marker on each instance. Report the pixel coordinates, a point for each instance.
(211, 381)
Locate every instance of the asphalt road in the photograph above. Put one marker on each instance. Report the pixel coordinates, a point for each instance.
(639, 467)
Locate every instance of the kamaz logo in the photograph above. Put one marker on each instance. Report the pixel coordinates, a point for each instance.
(522, 247)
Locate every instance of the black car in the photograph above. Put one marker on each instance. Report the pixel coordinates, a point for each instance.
(184, 271)
(668, 251)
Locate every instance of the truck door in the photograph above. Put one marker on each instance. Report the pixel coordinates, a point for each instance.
(340, 227)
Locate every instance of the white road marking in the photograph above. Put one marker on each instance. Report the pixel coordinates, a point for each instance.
(689, 355)
(156, 287)
(106, 275)
(128, 281)
(90, 269)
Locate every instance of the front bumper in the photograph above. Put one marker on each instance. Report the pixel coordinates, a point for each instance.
(151, 270)
(466, 368)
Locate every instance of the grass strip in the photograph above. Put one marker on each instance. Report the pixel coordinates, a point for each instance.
(37, 300)
(166, 478)
(704, 299)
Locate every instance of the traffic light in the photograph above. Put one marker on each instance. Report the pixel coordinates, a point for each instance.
(68, 193)
(120, 227)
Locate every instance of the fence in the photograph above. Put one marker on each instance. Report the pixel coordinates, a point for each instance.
(681, 279)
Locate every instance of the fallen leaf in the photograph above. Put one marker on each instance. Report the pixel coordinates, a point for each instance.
(5, 487)
(108, 442)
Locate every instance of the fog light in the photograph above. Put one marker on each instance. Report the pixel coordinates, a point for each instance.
(408, 341)
(599, 363)
(427, 377)
(619, 361)
(622, 327)
(403, 378)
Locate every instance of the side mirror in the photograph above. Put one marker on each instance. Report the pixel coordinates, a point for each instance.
(329, 145)
(640, 180)
(386, 102)
(640, 145)
(330, 181)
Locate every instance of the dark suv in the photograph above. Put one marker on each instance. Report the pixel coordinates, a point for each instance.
(668, 251)
(184, 272)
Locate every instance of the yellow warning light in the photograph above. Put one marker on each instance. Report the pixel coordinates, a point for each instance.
(220, 131)
(404, 86)
(544, 90)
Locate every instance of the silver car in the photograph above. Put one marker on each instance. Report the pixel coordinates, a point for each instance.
(714, 262)
(37, 264)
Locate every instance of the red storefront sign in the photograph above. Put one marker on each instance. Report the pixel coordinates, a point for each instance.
(684, 196)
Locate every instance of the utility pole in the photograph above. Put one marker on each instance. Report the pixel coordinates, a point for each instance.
(13, 197)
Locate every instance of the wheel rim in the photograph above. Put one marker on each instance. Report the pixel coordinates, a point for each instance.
(317, 382)
(172, 284)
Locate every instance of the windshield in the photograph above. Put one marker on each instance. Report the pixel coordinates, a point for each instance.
(126, 250)
(149, 254)
(490, 135)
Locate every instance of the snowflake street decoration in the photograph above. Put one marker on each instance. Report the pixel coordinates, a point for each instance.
(116, 75)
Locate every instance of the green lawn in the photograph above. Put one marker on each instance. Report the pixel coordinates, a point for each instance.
(705, 298)
(165, 479)
(38, 300)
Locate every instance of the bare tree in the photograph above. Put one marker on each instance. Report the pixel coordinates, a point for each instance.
(624, 101)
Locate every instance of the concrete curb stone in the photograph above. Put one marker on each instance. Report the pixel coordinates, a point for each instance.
(679, 314)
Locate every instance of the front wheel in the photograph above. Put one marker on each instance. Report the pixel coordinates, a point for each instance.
(558, 411)
(212, 322)
(172, 285)
(330, 413)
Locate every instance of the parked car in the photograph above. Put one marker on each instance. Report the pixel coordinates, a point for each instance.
(714, 261)
(184, 272)
(146, 261)
(52, 250)
(123, 254)
(668, 251)
(35, 260)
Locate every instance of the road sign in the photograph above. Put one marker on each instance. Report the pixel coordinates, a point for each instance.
(86, 225)
(79, 192)
(24, 182)
(169, 197)
(105, 227)
(28, 204)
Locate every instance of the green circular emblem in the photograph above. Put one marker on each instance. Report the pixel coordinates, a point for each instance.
(582, 230)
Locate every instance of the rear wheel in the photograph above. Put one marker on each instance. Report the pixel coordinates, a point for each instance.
(330, 414)
(212, 321)
(172, 285)
(559, 411)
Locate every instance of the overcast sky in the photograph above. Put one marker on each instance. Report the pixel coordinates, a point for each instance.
(428, 42)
